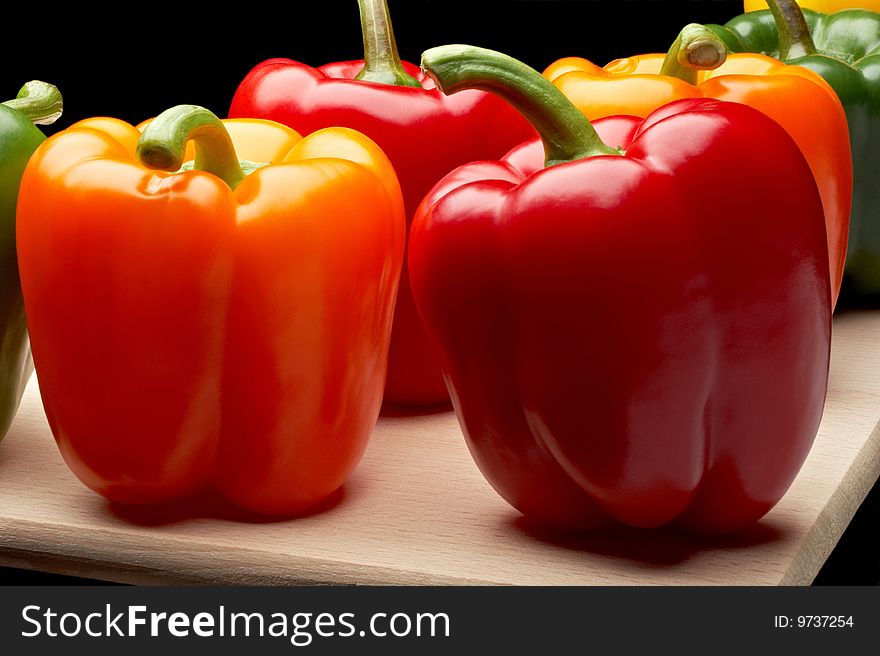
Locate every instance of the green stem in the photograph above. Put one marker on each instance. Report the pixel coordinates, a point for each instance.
(566, 133)
(697, 48)
(795, 39)
(40, 101)
(163, 143)
(381, 60)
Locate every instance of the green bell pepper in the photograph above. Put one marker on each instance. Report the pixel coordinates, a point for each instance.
(37, 103)
(844, 48)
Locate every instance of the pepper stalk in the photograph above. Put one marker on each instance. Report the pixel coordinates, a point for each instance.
(795, 39)
(697, 48)
(40, 102)
(566, 133)
(381, 60)
(163, 143)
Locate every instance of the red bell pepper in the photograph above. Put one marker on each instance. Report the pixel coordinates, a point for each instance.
(642, 335)
(423, 133)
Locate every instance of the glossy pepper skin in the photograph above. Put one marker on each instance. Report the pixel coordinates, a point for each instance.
(37, 103)
(638, 85)
(205, 326)
(424, 133)
(641, 338)
(844, 48)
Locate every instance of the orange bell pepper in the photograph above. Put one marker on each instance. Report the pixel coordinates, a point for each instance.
(228, 324)
(698, 66)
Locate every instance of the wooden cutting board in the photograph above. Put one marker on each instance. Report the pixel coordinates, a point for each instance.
(417, 511)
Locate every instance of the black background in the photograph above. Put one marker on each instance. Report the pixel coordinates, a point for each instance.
(133, 61)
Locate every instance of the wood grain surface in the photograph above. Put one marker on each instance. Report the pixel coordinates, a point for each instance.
(417, 511)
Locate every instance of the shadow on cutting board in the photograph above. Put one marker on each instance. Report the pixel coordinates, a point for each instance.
(211, 505)
(393, 411)
(662, 547)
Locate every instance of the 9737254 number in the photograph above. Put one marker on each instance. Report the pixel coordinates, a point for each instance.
(824, 622)
(813, 622)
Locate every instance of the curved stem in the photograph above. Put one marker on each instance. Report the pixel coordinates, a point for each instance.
(795, 39)
(566, 133)
(381, 60)
(163, 143)
(40, 101)
(697, 48)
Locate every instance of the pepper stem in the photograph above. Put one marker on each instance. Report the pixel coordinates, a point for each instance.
(39, 101)
(566, 133)
(381, 60)
(163, 143)
(794, 33)
(697, 48)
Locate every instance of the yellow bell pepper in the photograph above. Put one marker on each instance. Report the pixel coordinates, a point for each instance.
(825, 6)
